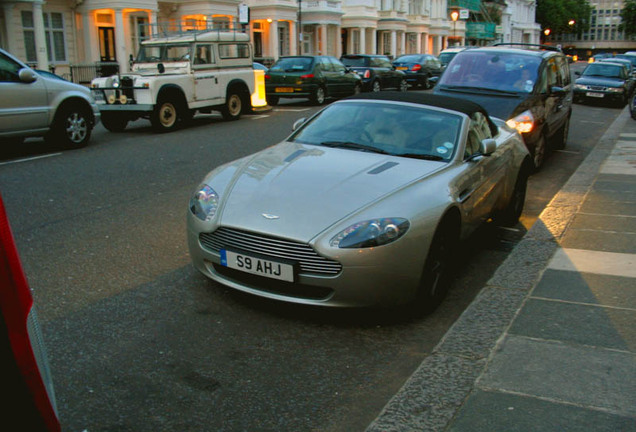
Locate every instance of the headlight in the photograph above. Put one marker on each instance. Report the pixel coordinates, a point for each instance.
(371, 233)
(615, 89)
(524, 122)
(580, 87)
(204, 203)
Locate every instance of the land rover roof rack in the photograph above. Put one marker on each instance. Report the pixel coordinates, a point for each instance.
(529, 45)
(192, 28)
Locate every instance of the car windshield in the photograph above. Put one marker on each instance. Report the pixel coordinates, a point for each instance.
(603, 70)
(163, 53)
(446, 57)
(355, 61)
(292, 64)
(499, 71)
(385, 128)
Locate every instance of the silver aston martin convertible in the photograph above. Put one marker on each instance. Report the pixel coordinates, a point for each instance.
(362, 205)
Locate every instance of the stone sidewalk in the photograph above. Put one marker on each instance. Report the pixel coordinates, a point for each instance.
(550, 343)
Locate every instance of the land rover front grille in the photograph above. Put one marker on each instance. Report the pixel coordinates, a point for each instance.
(308, 260)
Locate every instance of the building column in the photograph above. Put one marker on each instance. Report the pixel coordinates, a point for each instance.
(12, 31)
(293, 38)
(323, 40)
(338, 40)
(374, 41)
(120, 41)
(418, 43)
(394, 43)
(424, 39)
(273, 40)
(402, 43)
(363, 40)
(40, 36)
(437, 45)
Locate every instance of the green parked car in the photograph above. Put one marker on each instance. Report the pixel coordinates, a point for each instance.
(312, 77)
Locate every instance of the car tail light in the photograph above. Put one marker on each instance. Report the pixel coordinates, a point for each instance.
(267, 76)
(307, 76)
(416, 67)
(367, 73)
(20, 338)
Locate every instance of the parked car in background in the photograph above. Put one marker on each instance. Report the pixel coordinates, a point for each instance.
(363, 205)
(630, 55)
(445, 56)
(599, 56)
(604, 81)
(419, 68)
(33, 105)
(259, 66)
(312, 77)
(527, 86)
(628, 64)
(376, 71)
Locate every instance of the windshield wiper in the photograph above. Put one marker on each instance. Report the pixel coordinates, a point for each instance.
(421, 156)
(460, 88)
(353, 146)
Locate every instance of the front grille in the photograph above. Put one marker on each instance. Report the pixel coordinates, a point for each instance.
(308, 260)
(597, 88)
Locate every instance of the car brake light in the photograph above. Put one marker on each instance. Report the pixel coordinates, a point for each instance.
(367, 73)
(16, 310)
(416, 67)
(267, 76)
(307, 76)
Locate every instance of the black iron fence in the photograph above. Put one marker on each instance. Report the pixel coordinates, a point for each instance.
(83, 73)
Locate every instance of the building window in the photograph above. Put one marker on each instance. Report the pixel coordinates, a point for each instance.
(53, 33)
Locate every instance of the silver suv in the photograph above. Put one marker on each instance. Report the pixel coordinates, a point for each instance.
(33, 104)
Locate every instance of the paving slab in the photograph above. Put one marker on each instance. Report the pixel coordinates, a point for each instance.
(588, 288)
(488, 411)
(586, 376)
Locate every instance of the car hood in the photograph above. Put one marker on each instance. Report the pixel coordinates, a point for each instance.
(501, 106)
(600, 81)
(297, 191)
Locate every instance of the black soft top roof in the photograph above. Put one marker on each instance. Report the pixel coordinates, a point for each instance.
(451, 103)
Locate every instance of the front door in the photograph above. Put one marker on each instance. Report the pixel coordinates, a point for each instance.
(107, 44)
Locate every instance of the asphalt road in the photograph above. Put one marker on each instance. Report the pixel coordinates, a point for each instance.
(139, 341)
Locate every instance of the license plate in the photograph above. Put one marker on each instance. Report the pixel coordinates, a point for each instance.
(401, 68)
(284, 90)
(596, 95)
(98, 96)
(257, 266)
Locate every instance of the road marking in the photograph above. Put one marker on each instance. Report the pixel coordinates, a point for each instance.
(30, 159)
(587, 261)
(258, 117)
(568, 151)
(292, 109)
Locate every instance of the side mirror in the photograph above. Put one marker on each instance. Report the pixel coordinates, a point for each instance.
(27, 75)
(298, 123)
(487, 146)
(557, 91)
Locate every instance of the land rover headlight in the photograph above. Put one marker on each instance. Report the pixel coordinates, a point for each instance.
(204, 203)
(524, 122)
(370, 233)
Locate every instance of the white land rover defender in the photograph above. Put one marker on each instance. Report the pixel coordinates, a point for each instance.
(175, 76)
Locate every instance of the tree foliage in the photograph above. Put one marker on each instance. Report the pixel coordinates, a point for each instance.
(556, 15)
(628, 18)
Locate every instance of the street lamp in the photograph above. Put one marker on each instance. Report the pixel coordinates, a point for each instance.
(454, 16)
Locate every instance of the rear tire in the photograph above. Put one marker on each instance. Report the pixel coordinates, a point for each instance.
(319, 96)
(510, 215)
(233, 106)
(375, 86)
(404, 85)
(272, 100)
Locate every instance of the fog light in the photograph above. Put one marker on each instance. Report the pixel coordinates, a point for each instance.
(123, 99)
(111, 99)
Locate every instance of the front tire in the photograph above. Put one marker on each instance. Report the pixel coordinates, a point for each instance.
(72, 127)
(165, 116)
(434, 282)
(114, 123)
(562, 136)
